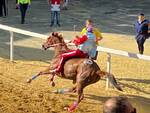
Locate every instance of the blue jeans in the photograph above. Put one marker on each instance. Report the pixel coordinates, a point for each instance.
(3, 7)
(23, 9)
(140, 39)
(55, 14)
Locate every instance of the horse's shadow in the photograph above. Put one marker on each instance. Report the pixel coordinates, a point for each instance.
(104, 98)
(145, 81)
(94, 99)
(89, 97)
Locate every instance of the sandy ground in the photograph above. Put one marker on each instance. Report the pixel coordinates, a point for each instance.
(16, 96)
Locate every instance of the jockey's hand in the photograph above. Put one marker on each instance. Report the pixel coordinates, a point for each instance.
(77, 37)
(70, 41)
(70, 44)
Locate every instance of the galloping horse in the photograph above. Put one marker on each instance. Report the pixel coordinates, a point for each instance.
(82, 71)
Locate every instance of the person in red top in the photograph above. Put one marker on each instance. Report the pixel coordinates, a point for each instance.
(55, 11)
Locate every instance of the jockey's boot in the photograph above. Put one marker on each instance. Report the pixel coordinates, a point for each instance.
(54, 71)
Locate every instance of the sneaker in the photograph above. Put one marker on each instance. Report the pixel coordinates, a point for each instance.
(58, 24)
(22, 22)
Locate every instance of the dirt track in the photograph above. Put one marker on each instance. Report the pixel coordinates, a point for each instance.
(18, 96)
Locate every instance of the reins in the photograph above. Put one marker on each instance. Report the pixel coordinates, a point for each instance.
(54, 45)
(68, 43)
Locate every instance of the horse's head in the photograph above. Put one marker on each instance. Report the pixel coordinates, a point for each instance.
(53, 40)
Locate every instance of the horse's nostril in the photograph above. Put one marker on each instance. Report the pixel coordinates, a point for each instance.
(43, 47)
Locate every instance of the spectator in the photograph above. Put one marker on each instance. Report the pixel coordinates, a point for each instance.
(16, 4)
(3, 9)
(118, 105)
(141, 28)
(95, 31)
(55, 11)
(23, 6)
(65, 4)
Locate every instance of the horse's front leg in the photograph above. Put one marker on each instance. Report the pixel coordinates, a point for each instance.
(65, 90)
(46, 71)
(52, 79)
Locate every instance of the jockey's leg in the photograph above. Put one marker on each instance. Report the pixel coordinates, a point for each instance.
(65, 56)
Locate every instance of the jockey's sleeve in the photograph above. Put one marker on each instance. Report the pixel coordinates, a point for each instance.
(80, 40)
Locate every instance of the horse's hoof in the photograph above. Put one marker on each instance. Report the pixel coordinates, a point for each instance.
(66, 107)
(29, 80)
(53, 84)
(73, 107)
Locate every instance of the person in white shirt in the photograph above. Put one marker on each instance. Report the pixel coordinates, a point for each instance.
(55, 11)
(65, 4)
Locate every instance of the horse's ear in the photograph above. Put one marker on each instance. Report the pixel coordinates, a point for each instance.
(56, 34)
(60, 35)
(53, 33)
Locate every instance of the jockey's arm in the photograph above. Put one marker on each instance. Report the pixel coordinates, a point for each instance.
(98, 35)
(80, 40)
(99, 39)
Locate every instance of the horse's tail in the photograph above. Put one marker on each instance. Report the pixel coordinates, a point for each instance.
(111, 78)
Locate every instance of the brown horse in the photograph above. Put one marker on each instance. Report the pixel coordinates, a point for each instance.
(82, 71)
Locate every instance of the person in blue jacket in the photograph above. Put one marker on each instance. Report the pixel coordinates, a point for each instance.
(142, 31)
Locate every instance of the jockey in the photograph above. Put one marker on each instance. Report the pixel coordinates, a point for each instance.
(89, 46)
(86, 48)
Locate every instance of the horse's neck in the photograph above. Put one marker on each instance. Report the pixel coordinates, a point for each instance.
(59, 50)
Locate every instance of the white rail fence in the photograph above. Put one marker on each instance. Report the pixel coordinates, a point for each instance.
(102, 49)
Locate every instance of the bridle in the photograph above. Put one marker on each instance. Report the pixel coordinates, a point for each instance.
(52, 42)
(54, 45)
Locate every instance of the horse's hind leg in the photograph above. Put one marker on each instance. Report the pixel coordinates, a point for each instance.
(65, 90)
(111, 79)
(79, 90)
(80, 97)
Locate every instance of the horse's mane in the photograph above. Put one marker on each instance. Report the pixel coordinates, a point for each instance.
(61, 39)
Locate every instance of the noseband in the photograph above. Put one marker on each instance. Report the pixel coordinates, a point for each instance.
(61, 41)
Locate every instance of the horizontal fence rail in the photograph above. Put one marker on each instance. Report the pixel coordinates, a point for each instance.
(123, 53)
(99, 48)
(20, 31)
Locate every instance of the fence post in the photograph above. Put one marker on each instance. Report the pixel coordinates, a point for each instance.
(108, 68)
(11, 46)
(74, 27)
